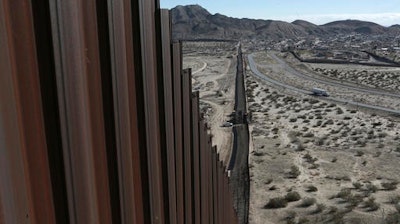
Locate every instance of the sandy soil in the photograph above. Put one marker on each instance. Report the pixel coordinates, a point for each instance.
(341, 161)
(214, 72)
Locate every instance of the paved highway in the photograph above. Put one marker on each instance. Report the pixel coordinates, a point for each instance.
(256, 72)
(330, 82)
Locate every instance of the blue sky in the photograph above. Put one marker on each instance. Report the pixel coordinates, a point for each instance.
(384, 12)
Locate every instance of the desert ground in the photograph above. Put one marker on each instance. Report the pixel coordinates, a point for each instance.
(311, 160)
(213, 67)
(316, 161)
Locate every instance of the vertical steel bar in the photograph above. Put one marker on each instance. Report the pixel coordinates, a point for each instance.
(196, 156)
(220, 192)
(25, 185)
(81, 110)
(169, 112)
(209, 185)
(132, 170)
(203, 174)
(214, 183)
(187, 143)
(177, 87)
(147, 12)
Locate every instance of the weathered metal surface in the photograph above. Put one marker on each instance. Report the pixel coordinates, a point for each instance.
(210, 174)
(25, 185)
(203, 173)
(45, 56)
(177, 87)
(126, 125)
(132, 172)
(196, 157)
(169, 112)
(79, 89)
(147, 12)
(214, 168)
(187, 143)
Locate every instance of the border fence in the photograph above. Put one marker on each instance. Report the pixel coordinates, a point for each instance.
(98, 122)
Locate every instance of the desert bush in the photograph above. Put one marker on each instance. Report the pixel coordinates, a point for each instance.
(307, 202)
(290, 217)
(300, 147)
(272, 188)
(311, 188)
(292, 196)
(256, 153)
(371, 204)
(392, 218)
(308, 135)
(377, 154)
(394, 199)
(314, 166)
(309, 158)
(332, 209)
(371, 188)
(334, 159)
(292, 119)
(320, 208)
(359, 153)
(278, 202)
(319, 141)
(294, 172)
(357, 185)
(344, 194)
(354, 200)
(303, 220)
(268, 181)
(389, 186)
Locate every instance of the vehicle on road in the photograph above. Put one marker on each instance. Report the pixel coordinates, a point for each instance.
(227, 124)
(319, 92)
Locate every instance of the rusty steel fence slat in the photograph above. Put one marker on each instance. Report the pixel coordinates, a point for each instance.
(147, 12)
(79, 85)
(196, 157)
(98, 120)
(25, 184)
(125, 74)
(169, 112)
(177, 87)
(203, 173)
(187, 143)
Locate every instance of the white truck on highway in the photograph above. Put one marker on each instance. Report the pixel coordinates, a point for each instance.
(319, 92)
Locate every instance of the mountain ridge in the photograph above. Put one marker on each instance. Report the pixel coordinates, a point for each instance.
(195, 22)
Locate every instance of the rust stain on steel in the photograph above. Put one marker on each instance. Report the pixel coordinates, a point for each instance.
(126, 111)
(177, 88)
(79, 86)
(209, 186)
(215, 184)
(169, 112)
(196, 156)
(14, 198)
(220, 192)
(149, 69)
(203, 173)
(22, 128)
(187, 143)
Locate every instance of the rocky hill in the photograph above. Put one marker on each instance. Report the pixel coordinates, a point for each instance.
(195, 22)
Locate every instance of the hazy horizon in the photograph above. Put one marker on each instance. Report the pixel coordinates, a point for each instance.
(385, 13)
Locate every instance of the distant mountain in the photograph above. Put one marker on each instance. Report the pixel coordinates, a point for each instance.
(356, 26)
(310, 28)
(195, 22)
